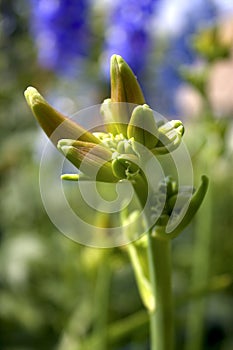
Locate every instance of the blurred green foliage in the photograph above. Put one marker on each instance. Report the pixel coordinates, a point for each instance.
(56, 294)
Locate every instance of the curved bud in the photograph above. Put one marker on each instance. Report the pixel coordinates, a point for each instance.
(193, 207)
(183, 198)
(90, 158)
(55, 124)
(119, 168)
(170, 136)
(125, 166)
(142, 126)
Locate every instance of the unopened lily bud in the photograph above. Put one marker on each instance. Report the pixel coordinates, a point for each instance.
(124, 84)
(93, 160)
(96, 150)
(125, 93)
(142, 126)
(170, 136)
(55, 124)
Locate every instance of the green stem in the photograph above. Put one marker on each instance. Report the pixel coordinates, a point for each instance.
(159, 261)
(200, 274)
(161, 319)
(104, 275)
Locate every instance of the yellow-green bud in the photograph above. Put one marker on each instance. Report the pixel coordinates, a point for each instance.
(142, 126)
(55, 124)
(93, 160)
(170, 136)
(125, 93)
(124, 84)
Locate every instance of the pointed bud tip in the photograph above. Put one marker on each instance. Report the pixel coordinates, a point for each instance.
(64, 149)
(120, 66)
(117, 59)
(32, 96)
(177, 124)
(64, 142)
(124, 84)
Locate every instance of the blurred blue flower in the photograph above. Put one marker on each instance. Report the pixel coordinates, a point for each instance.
(180, 20)
(129, 33)
(61, 32)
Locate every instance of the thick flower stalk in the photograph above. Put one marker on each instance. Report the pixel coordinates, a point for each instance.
(131, 138)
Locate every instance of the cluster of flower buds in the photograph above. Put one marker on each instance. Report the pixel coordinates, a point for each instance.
(118, 152)
(181, 204)
(128, 121)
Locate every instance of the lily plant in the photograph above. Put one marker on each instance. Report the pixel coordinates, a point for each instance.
(130, 138)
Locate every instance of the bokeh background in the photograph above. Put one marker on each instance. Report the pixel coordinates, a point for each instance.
(55, 293)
